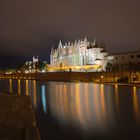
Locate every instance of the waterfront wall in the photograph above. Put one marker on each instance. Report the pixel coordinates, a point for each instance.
(98, 77)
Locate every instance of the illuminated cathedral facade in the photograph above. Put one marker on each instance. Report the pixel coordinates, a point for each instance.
(82, 55)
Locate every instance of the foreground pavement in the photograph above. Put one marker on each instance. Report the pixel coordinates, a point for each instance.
(17, 121)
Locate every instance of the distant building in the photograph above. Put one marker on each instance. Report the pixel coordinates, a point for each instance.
(82, 55)
(125, 60)
(35, 59)
(32, 63)
(30, 66)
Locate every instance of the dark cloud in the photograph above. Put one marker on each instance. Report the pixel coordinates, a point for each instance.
(31, 27)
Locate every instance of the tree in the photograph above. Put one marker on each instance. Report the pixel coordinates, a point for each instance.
(108, 69)
(130, 69)
(41, 66)
(115, 68)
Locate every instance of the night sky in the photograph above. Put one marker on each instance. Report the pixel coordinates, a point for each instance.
(31, 27)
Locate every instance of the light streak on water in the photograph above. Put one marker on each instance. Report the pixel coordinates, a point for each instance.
(10, 86)
(136, 105)
(27, 87)
(34, 94)
(19, 88)
(44, 105)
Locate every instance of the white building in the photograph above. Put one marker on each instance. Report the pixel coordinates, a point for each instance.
(125, 60)
(81, 55)
(31, 65)
(35, 59)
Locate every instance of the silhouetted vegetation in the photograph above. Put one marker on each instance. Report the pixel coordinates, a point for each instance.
(123, 80)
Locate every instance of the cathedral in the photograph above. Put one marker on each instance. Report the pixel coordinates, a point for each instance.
(82, 55)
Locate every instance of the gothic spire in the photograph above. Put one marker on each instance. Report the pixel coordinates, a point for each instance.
(75, 42)
(60, 44)
(95, 42)
(85, 39)
(78, 40)
(52, 50)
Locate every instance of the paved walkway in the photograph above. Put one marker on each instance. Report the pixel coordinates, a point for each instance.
(17, 121)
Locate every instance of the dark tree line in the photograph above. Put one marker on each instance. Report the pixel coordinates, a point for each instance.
(131, 68)
(38, 66)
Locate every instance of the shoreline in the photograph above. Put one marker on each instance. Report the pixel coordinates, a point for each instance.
(124, 84)
(95, 77)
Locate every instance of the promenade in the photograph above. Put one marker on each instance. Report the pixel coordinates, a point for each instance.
(17, 121)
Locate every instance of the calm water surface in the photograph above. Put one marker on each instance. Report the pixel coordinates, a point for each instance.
(84, 111)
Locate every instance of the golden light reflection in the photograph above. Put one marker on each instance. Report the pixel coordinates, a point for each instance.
(71, 89)
(34, 94)
(87, 105)
(60, 99)
(65, 101)
(136, 105)
(117, 98)
(65, 89)
(96, 103)
(19, 87)
(82, 104)
(78, 112)
(27, 87)
(11, 89)
(103, 104)
(72, 96)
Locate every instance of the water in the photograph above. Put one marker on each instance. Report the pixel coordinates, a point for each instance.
(83, 111)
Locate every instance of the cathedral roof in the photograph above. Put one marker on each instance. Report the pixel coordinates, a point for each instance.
(104, 50)
(92, 45)
(52, 50)
(98, 59)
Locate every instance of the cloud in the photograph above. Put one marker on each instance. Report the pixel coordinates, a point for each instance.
(30, 27)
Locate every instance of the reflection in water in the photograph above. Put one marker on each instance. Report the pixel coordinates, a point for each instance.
(19, 87)
(27, 87)
(86, 97)
(43, 98)
(65, 101)
(76, 104)
(103, 104)
(136, 104)
(96, 102)
(117, 98)
(91, 108)
(10, 86)
(34, 94)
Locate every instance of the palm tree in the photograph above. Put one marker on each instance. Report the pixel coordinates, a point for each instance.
(108, 69)
(130, 69)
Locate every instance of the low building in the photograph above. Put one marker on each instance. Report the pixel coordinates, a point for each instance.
(125, 66)
(125, 60)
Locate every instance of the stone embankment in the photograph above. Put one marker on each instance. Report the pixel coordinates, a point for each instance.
(97, 77)
(57, 76)
(17, 121)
